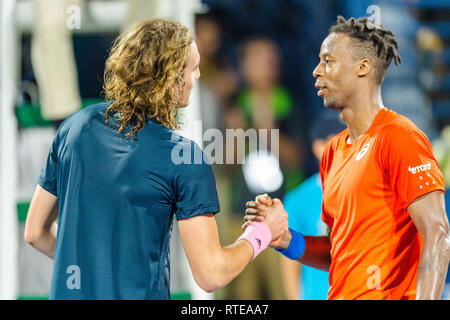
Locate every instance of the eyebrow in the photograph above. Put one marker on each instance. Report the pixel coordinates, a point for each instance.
(326, 54)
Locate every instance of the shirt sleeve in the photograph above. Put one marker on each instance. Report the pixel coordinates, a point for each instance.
(48, 175)
(196, 191)
(409, 163)
(328, 219)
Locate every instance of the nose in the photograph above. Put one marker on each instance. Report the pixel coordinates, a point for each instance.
(317, 71)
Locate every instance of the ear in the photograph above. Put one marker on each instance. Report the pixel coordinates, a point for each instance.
(363, 67)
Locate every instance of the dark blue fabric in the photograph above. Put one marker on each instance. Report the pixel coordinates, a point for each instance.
(117, 198)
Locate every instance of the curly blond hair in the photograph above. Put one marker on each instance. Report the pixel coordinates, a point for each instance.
(144, 74)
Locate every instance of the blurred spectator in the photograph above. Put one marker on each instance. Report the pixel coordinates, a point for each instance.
(304, 206)
(217, 86)
(262, 103)
(299, 26)
(218, 81)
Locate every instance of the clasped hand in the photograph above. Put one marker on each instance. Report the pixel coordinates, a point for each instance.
(270, 211)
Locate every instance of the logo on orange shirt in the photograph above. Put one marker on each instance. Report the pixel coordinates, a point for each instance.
(363, 151)
(422, 167)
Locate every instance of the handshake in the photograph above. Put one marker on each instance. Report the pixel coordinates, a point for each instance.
(269, 214)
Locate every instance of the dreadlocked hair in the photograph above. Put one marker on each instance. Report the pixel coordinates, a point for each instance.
(370, 41)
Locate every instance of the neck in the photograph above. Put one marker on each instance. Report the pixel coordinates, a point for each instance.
(360, 111)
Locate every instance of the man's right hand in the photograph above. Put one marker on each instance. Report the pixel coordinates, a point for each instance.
(272, 212)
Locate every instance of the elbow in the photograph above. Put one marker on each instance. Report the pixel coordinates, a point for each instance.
(207, 285)
(209, 288)
(439, 239)
(445, 239)
(31, 235)
(447, 243)
(210, 278)
(208, 282)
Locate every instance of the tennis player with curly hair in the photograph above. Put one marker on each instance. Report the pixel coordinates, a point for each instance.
(111, 182)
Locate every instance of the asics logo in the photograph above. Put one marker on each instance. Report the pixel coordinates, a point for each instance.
(363, 151)
(421, 168)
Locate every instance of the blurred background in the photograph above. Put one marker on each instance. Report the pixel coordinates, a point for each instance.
(257, 58)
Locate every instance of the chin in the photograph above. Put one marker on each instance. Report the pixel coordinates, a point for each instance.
(329, 105)
(333, 105)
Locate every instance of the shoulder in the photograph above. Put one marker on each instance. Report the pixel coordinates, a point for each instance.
(399, 139)
(187, 157)
(336, 140)
(397, 122)
(76, 121)
(184, 145)
(329, 151)
(85, 115)
(399, 130)
(334, 143)
(88, 112)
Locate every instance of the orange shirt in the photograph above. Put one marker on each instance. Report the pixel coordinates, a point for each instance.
(367, 187)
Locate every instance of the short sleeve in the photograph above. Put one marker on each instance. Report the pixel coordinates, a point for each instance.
(196, 191)
(327, 218)
(48, 175)
(324, 167)
(409, 163)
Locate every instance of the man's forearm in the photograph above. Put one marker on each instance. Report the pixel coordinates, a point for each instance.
(235, 258)
(432, 271)
(221, 266)
(317, 252)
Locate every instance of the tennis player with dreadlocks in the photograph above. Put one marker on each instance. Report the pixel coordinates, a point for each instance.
(112, 183)
(383, 192)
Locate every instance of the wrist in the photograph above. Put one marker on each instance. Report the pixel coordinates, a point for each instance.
(293, 246)
(282, 242)
(259, 236)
